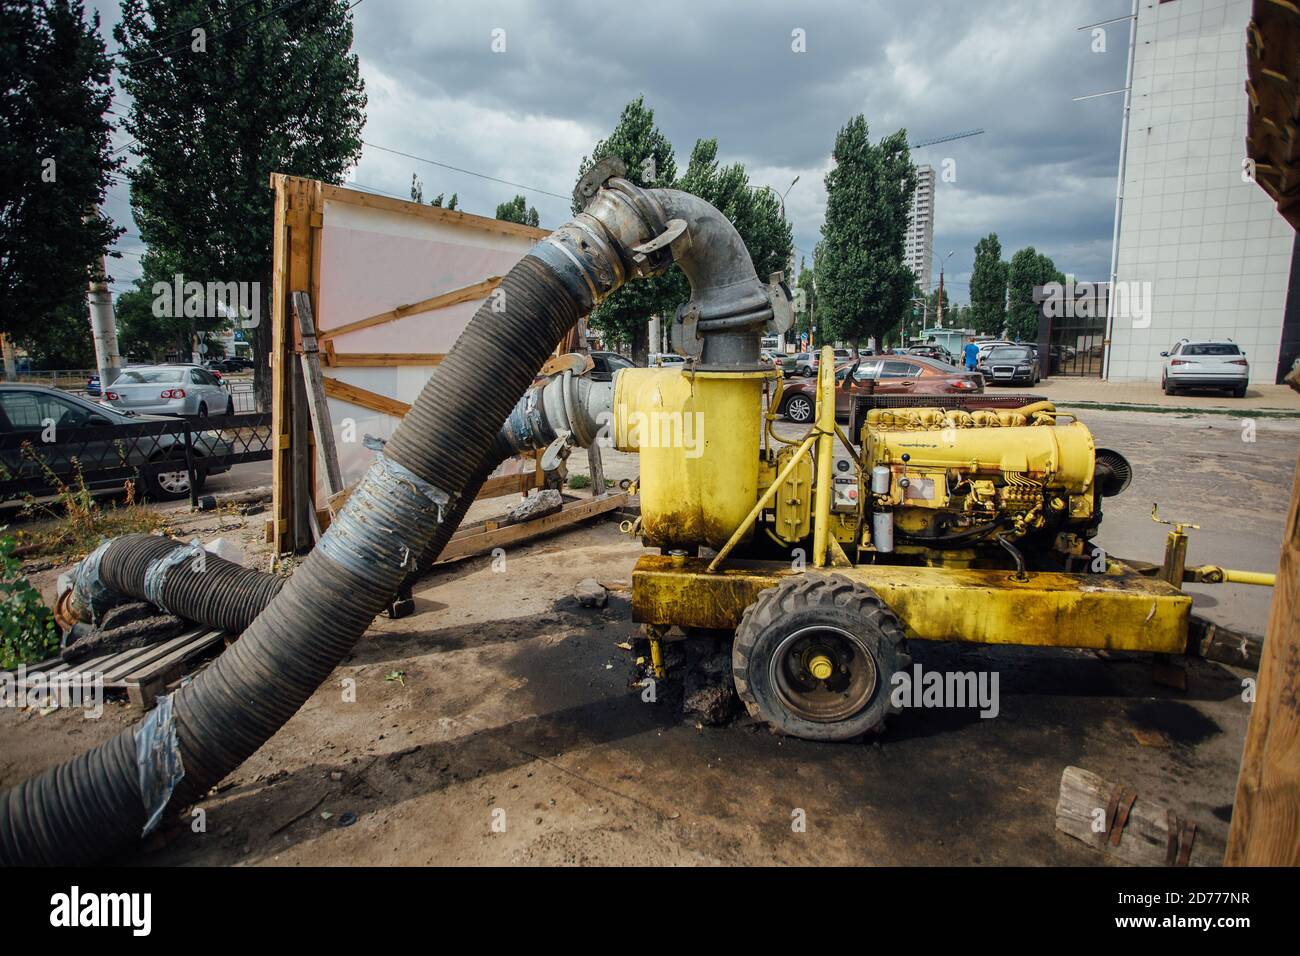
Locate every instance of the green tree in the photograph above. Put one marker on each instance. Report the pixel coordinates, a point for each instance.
(417, 189)
(55, 164)
(864, 287)
(438, 200)
(142, 334)
(64, 339)
(267, 87)
(518, 210)
(1029, 268)
(932, 305)
(988, 287)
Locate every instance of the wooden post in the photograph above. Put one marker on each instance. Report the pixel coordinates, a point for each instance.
(597, 469)
(1137, 828)
(293, 246)
(1266, 813)
(322, 427)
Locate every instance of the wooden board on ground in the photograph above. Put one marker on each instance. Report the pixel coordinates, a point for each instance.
(1133, 827)
(480, 537)
(142, 673)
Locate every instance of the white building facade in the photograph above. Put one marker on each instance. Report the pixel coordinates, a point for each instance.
(920, 228)
(1202, 251)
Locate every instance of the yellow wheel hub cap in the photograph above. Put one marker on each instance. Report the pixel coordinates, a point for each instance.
(821, 667)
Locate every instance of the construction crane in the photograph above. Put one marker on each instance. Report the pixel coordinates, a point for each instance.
(945, 139)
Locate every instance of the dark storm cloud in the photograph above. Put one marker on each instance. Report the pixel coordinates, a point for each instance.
(1042, 174)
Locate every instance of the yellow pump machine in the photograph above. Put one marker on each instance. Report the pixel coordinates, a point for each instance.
(827, 553)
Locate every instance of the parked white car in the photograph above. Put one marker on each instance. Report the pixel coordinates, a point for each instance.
(666, 359)
(1205, 363)
(190, 391)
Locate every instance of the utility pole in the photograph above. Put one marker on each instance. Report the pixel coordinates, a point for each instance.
(104, 328)
(938, 321)
(11, 359)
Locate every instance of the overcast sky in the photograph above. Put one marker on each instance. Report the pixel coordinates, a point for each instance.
(1042, 174)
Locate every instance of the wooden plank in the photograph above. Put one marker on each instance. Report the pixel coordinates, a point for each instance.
(1266, 813)
(382, 359)
(573, 512)
(364, 398)
(119, 673)
(281, 493)
(1084, 807)
(316, 220)
(596, 469)
(508, 484)
(142, 686)
(467, 293)
(317, 405)
(302, 456)
(292, 251)
(103, 662)
(435, 213)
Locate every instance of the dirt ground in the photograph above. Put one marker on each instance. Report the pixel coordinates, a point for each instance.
(514, 735)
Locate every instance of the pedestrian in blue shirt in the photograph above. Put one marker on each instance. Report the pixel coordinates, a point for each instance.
(971, 353)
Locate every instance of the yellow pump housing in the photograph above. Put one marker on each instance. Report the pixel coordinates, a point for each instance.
(697, 434)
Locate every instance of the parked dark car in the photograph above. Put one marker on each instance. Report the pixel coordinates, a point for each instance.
(936, 352)
(605, 364)
(34, 409)
(1011, 365)
(229, 364)
(805, 364)
(881, 375)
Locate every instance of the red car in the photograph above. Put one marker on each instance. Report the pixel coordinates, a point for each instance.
(881, 375)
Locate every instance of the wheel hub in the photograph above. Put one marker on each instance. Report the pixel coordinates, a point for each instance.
(823, 674)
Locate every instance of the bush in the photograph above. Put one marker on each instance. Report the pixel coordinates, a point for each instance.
(27, 632)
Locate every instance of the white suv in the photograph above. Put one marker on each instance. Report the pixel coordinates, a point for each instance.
(1205, 363)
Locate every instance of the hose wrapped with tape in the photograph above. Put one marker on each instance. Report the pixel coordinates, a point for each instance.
(402, 512)
(93, 805)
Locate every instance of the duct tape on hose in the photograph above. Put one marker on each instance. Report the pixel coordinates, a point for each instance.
(158, 759)
(155, 577)
(89, 591)
(387, 521)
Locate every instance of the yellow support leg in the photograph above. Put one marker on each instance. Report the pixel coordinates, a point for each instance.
(825, 451)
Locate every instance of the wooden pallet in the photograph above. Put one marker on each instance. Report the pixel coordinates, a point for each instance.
(142, 673)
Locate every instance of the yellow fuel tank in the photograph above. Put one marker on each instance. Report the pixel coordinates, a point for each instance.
(698, 437)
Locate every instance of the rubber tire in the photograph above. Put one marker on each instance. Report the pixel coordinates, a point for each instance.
(156, 492)
(809, 599)
(806, 372)
(1239, 391)
(785, 410)
(203, 410)
(1169, 389)
(230, 406)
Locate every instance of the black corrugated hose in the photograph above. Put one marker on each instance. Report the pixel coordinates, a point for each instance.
(206, 589)
(103, 800)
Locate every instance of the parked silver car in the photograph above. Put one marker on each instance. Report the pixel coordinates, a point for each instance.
(1205, 363)
(190, 391)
